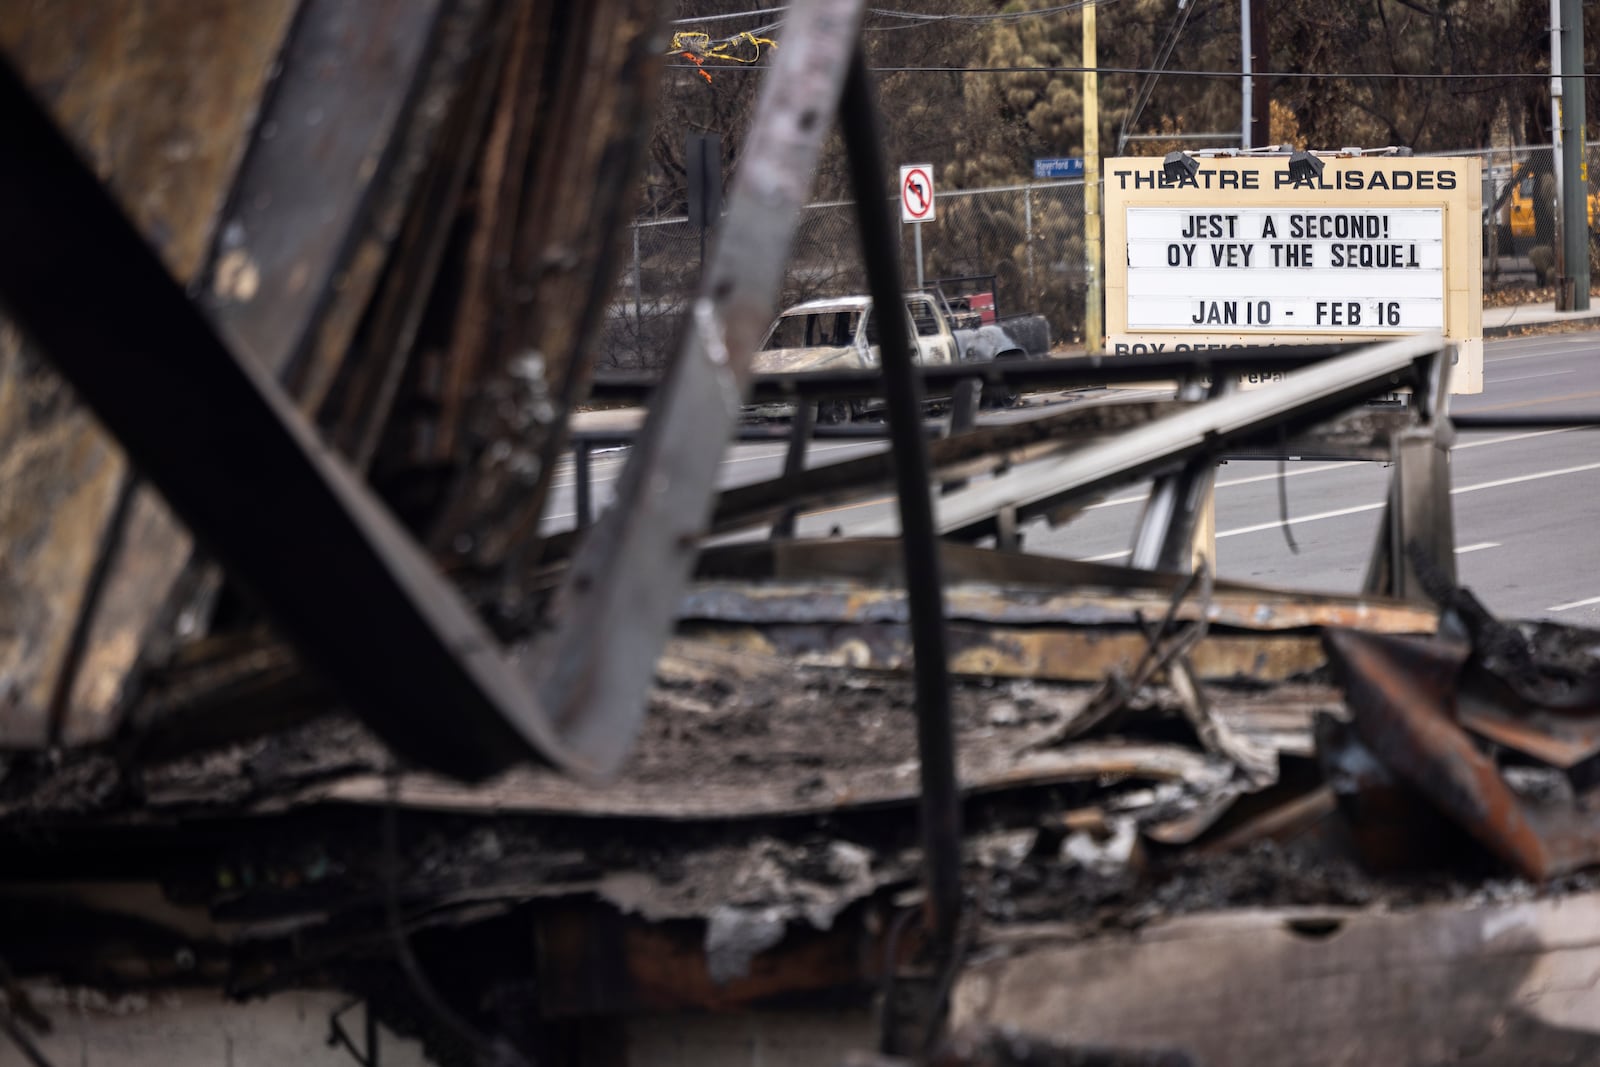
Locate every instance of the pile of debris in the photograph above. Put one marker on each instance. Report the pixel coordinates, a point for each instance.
(347, 716)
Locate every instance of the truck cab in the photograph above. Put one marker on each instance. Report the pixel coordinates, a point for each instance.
(841, 333)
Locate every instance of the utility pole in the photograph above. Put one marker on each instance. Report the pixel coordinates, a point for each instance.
(1247, 65)
(1260, 117)
(1557, 156)
(1094, 326)
(1574, 169)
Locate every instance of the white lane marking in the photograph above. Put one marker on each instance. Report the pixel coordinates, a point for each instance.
(1466, 548)
(1487, 441)
(1228, 483)
(1298, 520)
(1575, 604)
(1357, 509)
(1527, 377)
(1536, 476)
(1552, 354)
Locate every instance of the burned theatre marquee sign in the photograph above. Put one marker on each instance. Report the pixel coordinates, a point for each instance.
(1240, 253)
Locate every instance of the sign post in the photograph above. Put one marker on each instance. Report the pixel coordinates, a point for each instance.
(916, 203)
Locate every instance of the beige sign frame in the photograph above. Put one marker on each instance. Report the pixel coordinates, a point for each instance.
(1347, 183)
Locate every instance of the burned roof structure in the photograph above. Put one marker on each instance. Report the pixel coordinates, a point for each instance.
(296, 691)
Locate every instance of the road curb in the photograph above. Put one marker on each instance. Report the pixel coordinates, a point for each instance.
(1511, 328)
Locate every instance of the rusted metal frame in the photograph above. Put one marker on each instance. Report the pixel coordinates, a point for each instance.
(630, 571)
(572, 130)
(1114, 691)
(375, 199)
(1015, 375)
(1424, 518)
(846, 431)
(499, 186)
(977, 452)
(234, 459)
(936, 759)
(1418, 512)
(1307, 397)
(794, 461)
(582, 485)
(990, 448)
(1163, 538)
(963, 417)
(617, 190)
(403, 299)
(94, 590)
(293, 165)
(1400, 692)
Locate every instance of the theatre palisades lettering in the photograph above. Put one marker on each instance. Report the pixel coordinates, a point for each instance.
(1241, 254)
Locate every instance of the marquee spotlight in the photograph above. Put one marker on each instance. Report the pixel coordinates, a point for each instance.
(1179, 166)
(1304, 167)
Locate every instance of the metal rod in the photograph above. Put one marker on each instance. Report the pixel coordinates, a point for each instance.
(764, 432)
(582, 486)
(1246, 59)
(805, 417)
(941, 800)
(941, 380)
(963, 417)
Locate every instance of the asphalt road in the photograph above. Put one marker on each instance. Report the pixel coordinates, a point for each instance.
(1527, 505)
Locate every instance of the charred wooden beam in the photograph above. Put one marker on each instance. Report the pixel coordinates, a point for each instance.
(232, 457)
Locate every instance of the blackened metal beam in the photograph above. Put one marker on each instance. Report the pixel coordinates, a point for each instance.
(217, 436)
(940, 797)
(1304, 399)
(805, 420)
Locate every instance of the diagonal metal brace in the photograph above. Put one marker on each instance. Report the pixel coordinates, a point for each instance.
(620, 598)
(221, 441)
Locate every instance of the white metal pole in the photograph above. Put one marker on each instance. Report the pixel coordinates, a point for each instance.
(1555, 137)
(917, 229)
(1247, 90)
(1027, 226)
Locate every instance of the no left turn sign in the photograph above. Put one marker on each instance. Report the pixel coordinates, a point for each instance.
(916, 193)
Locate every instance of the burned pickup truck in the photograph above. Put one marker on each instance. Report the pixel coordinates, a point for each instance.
(841, 333)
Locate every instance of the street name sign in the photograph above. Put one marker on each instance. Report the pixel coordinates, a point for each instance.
(1063, 167)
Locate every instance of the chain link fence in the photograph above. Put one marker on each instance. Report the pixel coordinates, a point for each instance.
(1031, 238)
(1520, 195)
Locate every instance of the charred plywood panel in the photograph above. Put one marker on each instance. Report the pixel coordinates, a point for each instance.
(542, 259)
(159, 96)
(1511, 983)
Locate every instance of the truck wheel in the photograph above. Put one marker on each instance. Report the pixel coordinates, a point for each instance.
(998, 396)
(834, 411)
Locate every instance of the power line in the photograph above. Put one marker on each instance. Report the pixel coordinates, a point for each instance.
(993, 16)
(734, 15)
(1348, 75)
(915, 17)
(1164, 53)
